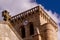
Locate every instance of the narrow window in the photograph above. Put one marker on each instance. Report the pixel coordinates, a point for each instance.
(31, 28)
(22, 32)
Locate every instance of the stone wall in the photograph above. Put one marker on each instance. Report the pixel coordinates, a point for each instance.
(6, 33)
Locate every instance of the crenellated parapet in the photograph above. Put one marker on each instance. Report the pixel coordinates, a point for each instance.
(26, 13)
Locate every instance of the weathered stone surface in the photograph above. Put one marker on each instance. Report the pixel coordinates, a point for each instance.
(6, 33)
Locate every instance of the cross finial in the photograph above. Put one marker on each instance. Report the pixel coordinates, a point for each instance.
(6, 15)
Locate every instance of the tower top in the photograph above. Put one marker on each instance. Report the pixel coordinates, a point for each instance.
(27, 13)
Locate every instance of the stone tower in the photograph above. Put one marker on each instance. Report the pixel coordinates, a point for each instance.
(33, 24)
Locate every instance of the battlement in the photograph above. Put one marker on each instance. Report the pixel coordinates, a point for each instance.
(28, 12)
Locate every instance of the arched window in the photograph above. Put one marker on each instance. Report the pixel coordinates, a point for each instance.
(22, 32)
(31, 28)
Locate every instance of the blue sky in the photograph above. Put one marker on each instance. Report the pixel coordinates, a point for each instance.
(53, 5)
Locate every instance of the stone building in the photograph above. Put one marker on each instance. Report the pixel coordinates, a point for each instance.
(33, 24)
